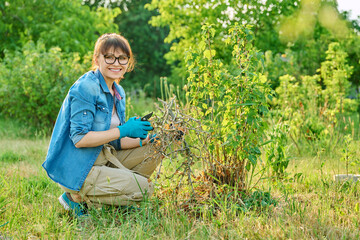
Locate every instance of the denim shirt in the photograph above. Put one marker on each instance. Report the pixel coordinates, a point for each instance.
(87, 107)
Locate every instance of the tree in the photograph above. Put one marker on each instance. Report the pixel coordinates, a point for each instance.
(44, 46)
(300, 27)
(185, 19)
(312, 27)
(63, 23)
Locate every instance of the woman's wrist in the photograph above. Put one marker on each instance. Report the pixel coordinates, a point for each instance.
(144, 142)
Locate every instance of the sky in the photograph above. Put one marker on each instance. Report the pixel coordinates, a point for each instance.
(353, 5)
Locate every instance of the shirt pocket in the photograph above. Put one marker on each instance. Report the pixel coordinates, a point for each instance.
(101, 114)
(86, 117)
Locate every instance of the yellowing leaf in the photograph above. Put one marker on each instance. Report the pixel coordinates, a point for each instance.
(224, 122)
(202, 45)
(209, 54)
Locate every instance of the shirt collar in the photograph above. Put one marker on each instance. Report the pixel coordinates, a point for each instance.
(102, 81)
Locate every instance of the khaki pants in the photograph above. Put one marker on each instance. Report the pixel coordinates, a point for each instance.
(119, 177)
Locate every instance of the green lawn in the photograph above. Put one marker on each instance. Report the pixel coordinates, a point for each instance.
(310, 206)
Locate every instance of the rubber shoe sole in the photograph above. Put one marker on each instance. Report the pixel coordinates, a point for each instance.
(64, 204)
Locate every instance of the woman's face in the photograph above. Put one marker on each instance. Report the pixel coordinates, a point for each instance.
(109, 65)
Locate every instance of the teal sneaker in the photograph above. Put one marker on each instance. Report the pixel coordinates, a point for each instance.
(78, 209)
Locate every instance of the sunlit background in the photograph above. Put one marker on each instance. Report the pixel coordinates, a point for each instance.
(275, 86)
(350, 5)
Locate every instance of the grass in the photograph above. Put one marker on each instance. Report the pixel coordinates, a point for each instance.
(309, 205)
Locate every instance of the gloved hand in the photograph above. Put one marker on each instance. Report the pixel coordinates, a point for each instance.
(135, 128)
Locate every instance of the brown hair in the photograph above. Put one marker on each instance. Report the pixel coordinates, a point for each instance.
(116, 41)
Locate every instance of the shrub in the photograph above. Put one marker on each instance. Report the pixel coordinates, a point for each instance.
(276, 152)
(34, 82)
(313, 106)
(350, 152)
(335, 73)
(230, 100)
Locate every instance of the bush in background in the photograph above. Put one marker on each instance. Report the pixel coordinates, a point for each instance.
(67, 24)
(34, 82)
(314, 106)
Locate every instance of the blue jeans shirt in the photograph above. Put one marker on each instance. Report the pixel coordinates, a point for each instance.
(87, 107)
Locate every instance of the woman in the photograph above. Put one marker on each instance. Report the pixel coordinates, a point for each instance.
(94, 155)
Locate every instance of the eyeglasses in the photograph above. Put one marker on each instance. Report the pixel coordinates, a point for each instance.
(111, 59)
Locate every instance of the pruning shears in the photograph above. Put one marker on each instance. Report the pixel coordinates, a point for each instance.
(146, 117)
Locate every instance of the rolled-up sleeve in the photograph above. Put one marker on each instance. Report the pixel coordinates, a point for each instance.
(82, 104)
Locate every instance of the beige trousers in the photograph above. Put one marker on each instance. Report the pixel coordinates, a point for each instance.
(119, 177)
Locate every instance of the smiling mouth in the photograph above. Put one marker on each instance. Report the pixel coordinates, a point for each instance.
(115, 70)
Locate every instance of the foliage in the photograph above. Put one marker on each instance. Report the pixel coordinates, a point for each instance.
(63, 23)
(148, 45)
(185, 20)
(45, 46)
(305, 57)
(138, 104)
(335, 74)
(277, 65)
(258, 200)
(320, 206)
(311, 28)
(276, 152)
(349, 153)
(310, 15)
(313, 113)
(352, 47)
(221, 128)
(298, 31)
(230, 101)
(35, 81)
